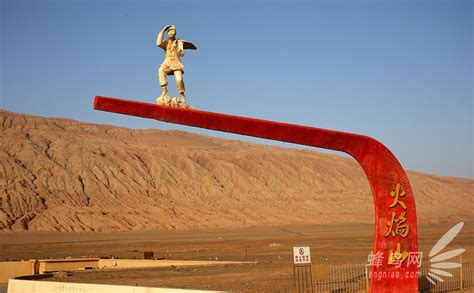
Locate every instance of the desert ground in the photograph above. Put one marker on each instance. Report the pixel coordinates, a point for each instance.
(268, 249)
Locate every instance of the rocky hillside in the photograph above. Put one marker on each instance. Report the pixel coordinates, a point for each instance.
(64, 175)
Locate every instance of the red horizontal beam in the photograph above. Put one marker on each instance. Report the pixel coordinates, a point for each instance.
(382, 169)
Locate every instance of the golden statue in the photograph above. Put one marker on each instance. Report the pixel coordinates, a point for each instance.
(174, 49)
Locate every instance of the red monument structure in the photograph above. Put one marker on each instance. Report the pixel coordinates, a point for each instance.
(394, 259)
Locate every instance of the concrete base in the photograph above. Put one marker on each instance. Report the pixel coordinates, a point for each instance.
(12, 269)
(141, 263)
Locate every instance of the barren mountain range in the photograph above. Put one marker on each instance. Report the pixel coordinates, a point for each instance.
(65, 175)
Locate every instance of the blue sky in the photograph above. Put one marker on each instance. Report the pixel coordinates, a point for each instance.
(400, 71)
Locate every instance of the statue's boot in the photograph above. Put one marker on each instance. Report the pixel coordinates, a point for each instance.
(182, 100)
(163, 99)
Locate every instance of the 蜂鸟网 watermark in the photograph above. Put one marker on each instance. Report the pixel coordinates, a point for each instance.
(439, 261)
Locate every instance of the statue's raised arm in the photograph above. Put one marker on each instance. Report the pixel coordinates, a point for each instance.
(160, 38)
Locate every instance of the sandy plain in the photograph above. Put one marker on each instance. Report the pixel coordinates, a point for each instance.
(269, 249)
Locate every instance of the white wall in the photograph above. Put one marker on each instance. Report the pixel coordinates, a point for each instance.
(27, 286)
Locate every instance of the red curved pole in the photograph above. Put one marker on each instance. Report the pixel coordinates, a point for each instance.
(394, 257)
